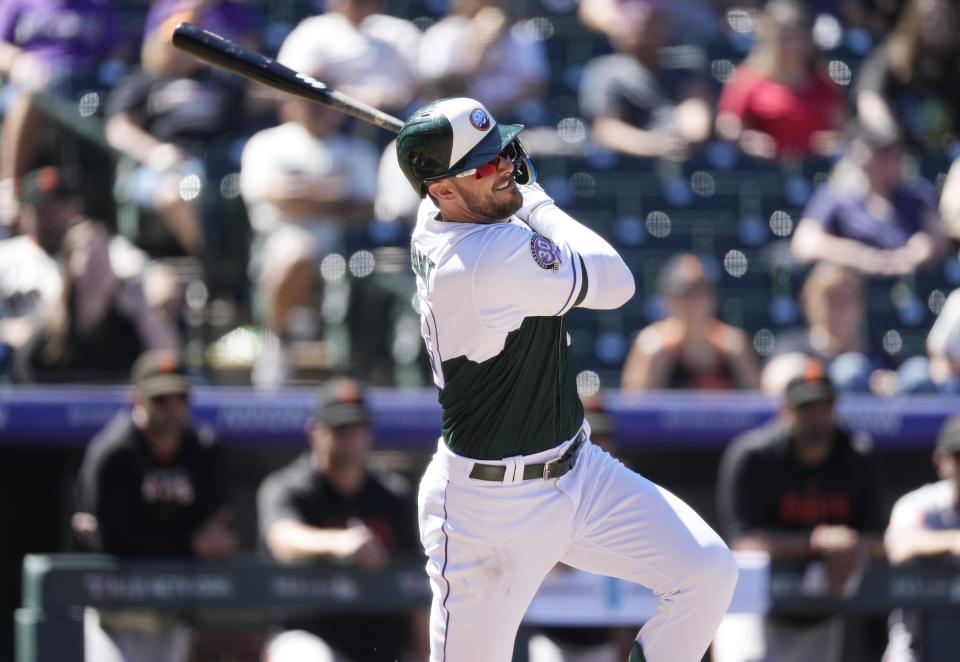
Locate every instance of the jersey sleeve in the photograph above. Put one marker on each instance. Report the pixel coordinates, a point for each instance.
(821, 209)
(256, 166)
(299, 50)
(520, 273)
(735, 96)
(275, 503)
(598, 94)
(907, 513)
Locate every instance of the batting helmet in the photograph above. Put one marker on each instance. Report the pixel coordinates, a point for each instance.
(448, 136)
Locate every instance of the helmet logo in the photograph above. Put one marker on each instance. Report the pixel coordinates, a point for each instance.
(479, 119)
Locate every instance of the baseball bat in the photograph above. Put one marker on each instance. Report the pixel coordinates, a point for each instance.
(222, 52)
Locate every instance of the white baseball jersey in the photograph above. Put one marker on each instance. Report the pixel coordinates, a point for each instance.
(492, 299)
(492, 302)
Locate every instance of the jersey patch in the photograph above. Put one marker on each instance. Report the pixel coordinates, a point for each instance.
(545, 253)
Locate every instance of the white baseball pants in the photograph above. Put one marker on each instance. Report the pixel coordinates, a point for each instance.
(490, 544)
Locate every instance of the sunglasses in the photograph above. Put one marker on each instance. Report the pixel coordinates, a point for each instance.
(484, 170)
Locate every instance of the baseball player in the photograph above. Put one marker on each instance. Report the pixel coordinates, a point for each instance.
(515, 485)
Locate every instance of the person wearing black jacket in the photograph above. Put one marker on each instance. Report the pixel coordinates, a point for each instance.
(799, 489)
(151, 485)
(330, 503)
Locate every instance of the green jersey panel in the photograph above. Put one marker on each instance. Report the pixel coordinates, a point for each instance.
(521, 401)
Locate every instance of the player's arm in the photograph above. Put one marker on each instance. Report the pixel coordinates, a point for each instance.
(780, 545)
(291, 540)
(902, 545)
(288, 538)
(606, 280)
(906, 537)
(648, 363)
(743, 362)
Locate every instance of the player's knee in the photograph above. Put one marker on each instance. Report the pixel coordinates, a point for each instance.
(717, 569)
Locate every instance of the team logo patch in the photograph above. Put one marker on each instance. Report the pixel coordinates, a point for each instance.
(479, 119)
(545, 253)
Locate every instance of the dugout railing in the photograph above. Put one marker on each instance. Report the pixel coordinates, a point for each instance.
(57, 588)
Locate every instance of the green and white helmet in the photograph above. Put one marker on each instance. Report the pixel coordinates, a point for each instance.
(449, 136)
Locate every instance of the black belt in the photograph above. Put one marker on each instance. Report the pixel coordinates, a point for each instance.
(552, 469)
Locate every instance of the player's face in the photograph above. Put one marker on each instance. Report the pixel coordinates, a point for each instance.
(811, 430)
(341, 446)
(697, 305)
(491, 198)
(166, 415)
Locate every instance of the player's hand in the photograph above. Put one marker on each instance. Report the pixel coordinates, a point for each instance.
(363, 547)
(758, 144)
(833, 538)
(841, 551)
(29, 72)
(85, 528)
(486, 27)
(166, 157)
(214, 539)
(533, 197)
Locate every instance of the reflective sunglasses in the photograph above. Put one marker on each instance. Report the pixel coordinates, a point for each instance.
(484, 170)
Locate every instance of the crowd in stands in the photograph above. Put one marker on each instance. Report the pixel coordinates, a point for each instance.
(254, 227)
(151, 203)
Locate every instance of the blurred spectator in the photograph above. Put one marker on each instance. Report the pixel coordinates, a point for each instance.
(395, 199)
(798, 489)
(780, 102)
(692, 21)
(634, 106)
(690, 348)
(869, 216)
(151, 485)
(912, 80)
(925, 523)
(833, 303)
(939, 370)
(359, 51)
(476, 52)
(164, 116)
(234, 20)
(304, 185)
(950, 204)
(103, 319)
(943, 345)
(331, 504)
(585, 644)
(31, 282)
(51, 46)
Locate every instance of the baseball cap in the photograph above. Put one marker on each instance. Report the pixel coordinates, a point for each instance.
(812, 385)
(159, 372)
(340, 402)
(450, 136)
(44, 184)
(948, 439)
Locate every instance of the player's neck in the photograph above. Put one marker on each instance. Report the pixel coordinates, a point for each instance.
(466, 216)
(345, 477)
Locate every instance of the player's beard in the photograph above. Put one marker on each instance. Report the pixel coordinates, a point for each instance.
(488, 206)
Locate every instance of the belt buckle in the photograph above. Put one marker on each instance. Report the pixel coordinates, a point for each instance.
(546, 467)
